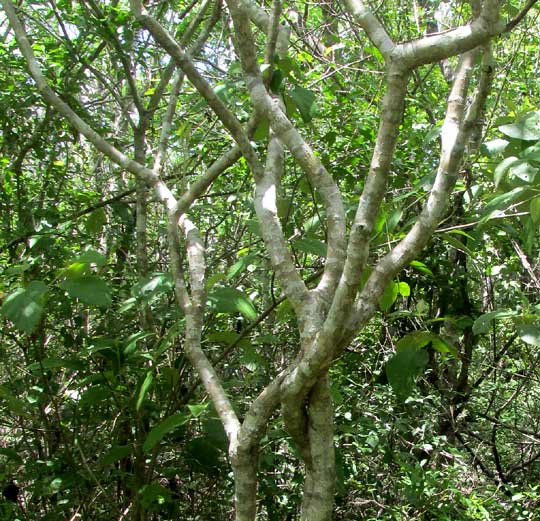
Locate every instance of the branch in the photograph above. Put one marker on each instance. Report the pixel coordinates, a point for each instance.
(435, 47)
(147, 175)
(285, 131)
(182, 59)
(374, 29)
(455, 132)
(512, 23)
(265, 206)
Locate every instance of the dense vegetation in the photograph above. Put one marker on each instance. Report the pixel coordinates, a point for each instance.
(146, 373)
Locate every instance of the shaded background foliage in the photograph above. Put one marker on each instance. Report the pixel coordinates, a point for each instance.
(436, 401)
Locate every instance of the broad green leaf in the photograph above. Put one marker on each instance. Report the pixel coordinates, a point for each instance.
(503, 167)
(404, 289)
(197, 409)
(389, 296)
(309, 245)
(526, 128)
(131, 343)
(304, 100)
(93, 257)
(95, 221)
(535, 210)
(393, 219)
(261, 132)
(494, 147)
(231, 301)
(56, 363)
(94, 396)
(531, 153)
(116, 453)
(456, 243)
(240, 265)
(145, 387)
(524, 171)
(24, 307)
(151, 286)
(89, 289)
(415, 340)
(14, 404)
(421, 267)
(251, 359)
(154, 495)
(483, 322)
(503, 201)
(204, 453)
(529, 333)
(11, 454)
(403, 368)
(163, 428)
(421, 339)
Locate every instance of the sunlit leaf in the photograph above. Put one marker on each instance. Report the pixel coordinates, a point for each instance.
(526, 127)
(24, 307)
(483, 322)
(163, 428)
(89, 289)
(145, 387)
(529, 333)
(231, 301)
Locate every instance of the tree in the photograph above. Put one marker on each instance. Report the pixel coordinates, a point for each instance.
(237, 59)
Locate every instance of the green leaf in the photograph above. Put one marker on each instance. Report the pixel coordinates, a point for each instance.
(24, 307)
(240, 265)
(421, 339)
(503, 201)
(389, 296)
(304, 100)
(494, 147)
(526, 128)
(198, 409)
(261, 132)
(404, 367)
(116, 453)
(89, 289)
(154, 496)
(483, 322)
(529, 333)
(11, 454)
(404, 289)
(416, 340)
(535, 210)
(231, 301)
(56, 363)
(144, 389)
(149, 287)
(95, 221)
(14, 404)
(524, 171)
(503, 167)
(531, 153)
(313, 246)
(421, 267)
(163, 428)
(93, 257)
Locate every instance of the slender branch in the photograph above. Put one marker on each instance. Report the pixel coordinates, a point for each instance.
(522, 14)
(285, 131)
(435, 47)
(162, 191)
(265, 206)
(182, 59)
(374, 29)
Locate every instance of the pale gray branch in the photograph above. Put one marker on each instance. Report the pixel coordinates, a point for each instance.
(369, 22)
